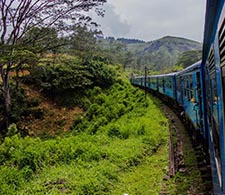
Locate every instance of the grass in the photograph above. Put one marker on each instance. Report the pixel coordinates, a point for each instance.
(111, 149)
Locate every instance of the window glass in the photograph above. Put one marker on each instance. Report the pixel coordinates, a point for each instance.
(191, 87)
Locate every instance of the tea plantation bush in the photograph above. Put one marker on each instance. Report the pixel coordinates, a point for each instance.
(120, 135)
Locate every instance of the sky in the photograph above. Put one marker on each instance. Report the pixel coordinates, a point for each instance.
(152, 19)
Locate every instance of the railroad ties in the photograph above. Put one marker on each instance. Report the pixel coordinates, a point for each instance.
(176, 152)
(176, 156)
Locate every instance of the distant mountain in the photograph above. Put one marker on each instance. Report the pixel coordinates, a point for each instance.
(163, 52)
(130, 41)
(157, 55)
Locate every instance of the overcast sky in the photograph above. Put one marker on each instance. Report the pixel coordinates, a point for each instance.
(152, 19)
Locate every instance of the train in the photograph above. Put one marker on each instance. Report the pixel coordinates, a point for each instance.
(198, 92)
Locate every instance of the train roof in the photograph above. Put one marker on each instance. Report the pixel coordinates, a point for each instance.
(191, 68)
(164, 75)
(159, 75)
(139, 77)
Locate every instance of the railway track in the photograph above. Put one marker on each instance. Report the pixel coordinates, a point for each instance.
(187, 158)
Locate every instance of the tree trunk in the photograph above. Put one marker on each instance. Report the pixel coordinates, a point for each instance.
(7, 98)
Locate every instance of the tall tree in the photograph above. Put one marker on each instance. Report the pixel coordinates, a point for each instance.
(42, 40)
(83, 41)
(189, 57)
(17, 17)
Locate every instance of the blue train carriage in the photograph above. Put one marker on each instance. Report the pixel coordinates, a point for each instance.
(138, 81)
(189, 97)
(167, 85)
(214, 68)
(153, 83)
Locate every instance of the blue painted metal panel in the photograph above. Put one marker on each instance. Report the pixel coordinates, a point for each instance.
(213, 11)
(170, 85)
(217, 109)
(154, 83)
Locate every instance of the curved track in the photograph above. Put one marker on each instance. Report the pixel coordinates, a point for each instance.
(189, 158)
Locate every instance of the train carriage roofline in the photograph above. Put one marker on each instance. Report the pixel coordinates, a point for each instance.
(139, 77)
(157, 76)
(162, 75)
(193, 67)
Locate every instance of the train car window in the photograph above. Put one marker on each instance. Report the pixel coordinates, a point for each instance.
(191, 87)
(168, 83)
(178, 83)
(148, 82)
(208, 95)
(185, 86)
(223, 79)
(153, 83)
(188, 88)
(159, 81)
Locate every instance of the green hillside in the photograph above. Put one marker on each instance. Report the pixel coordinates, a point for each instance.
(165, 52)
(157, 55)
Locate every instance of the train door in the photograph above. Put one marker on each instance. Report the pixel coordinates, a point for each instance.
(163, 84)
(178, 89)
(181, 80)
(149, 83)
(199, 100)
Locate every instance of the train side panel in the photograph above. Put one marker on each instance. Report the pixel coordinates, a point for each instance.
(214, 71)
(189, 95)
(179, 90)
(154, 83)
(167, 85)
(170, 86)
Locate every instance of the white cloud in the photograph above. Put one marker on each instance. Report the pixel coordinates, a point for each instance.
(152, 19)
(112, 23)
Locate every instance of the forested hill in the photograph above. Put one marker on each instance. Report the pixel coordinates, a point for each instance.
(165, 51)
(157, 55)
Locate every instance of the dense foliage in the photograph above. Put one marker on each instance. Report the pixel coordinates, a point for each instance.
(189, 57)
(70, 75)
(119, 137)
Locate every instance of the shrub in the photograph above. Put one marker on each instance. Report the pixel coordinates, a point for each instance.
(34, 102)
(12, 130)
(68, 77)
(114, 132)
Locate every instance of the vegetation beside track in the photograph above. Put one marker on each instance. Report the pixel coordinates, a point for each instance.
(120, 141)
